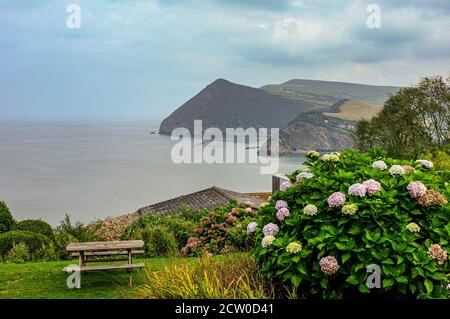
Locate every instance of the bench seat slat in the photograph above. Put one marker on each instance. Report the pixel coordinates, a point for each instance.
(107, 267)
(108, 253)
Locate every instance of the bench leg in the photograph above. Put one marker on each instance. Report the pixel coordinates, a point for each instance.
(130, 261)
(130, 257)
(81, 259)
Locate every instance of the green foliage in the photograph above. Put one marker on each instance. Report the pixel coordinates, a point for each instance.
(46, 253)
(77, 230)
(33, 241)
(413, 121)
(35, 226)
(62, 239)
(181, 228)
(230, 277)
(18, 254)
(375, 234)
(440, 159)
(159, 241)
(192, 215)
(6, 219)
(67, 233)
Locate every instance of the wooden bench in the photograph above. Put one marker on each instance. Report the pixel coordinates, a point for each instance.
(96, 251)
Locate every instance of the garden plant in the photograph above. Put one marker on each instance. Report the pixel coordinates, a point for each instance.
(348, 211)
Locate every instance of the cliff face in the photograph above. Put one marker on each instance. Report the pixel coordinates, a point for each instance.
(223, 104)
(313, 131)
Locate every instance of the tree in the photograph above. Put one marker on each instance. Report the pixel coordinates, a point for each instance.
(433, 108)
(413, 121)
(6, 219)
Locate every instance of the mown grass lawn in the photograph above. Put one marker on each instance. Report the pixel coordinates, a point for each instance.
(47, 280)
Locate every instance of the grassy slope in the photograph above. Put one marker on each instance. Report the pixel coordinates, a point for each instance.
(47, 280)
(353, 110)
(326, 91)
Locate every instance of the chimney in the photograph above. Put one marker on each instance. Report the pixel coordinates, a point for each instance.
(277, 180)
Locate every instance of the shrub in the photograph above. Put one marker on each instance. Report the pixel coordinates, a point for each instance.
(227, 277)
(6, 219)
(62, 239)
(192, 215)
(35, 226)
(18, 254)
(224, 229)
(67, 233)
(159, 241)
(325, 249)
(31, 240)
(46, 253)
(182, 229)
(77, 230)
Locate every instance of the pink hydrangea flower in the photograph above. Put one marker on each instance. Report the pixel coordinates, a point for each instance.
(336, 199)
(302, 175)
(251, 227)
(408, 168)
(416, 189)
(438, 254)
(372, 186)
(281, 204)
(270, 229)
(282, 213)
(357, 190)
(192, 242)
(329, 265)
(285, 185)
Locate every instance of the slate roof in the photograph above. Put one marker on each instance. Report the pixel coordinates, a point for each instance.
(205, 199)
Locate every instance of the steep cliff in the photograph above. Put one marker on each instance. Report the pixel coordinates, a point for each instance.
(223, 104)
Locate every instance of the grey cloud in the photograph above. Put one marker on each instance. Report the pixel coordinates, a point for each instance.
(258, 4)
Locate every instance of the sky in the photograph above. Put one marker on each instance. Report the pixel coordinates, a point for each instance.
(141, 59)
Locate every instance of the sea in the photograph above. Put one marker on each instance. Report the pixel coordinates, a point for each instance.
(97, 169)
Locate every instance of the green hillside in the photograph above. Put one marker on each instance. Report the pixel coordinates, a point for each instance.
(326, 93)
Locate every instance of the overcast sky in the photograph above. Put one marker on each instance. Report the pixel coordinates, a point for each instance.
(141, 59)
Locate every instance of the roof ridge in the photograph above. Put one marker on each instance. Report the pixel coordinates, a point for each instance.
(224, 192)
(207, 198)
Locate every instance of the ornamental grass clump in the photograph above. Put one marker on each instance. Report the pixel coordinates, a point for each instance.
(233, 276)
(372, 211)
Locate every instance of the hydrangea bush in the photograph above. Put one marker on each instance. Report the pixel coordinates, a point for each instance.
(355, 210)
(222, 230)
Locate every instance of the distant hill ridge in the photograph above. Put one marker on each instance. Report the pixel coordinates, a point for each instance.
(224, 104)
(311, 114)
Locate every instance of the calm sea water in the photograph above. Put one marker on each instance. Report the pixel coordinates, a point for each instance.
(93, 170)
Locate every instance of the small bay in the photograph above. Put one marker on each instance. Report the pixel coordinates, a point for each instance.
(92, 170)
